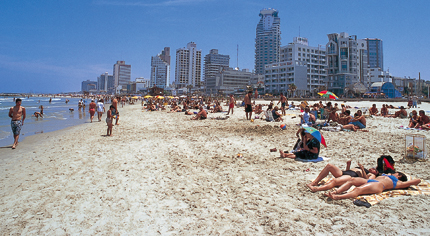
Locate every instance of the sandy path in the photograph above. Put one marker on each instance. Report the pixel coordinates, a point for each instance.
(164, 174)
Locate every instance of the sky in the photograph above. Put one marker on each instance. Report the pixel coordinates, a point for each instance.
(52, 46)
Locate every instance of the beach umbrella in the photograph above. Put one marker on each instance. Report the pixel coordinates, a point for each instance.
(159, 97)
(314, 132)
(135, 97)
(183, 96)
(328, 94)
(148, 96)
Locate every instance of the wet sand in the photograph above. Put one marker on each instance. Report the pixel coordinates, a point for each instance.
(162, 173)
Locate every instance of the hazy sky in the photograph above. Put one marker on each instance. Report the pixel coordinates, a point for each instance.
(52, 46)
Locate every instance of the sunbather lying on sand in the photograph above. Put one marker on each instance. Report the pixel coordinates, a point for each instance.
(372, 186)
(341, 177)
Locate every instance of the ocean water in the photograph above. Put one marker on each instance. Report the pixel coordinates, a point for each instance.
(56, 116)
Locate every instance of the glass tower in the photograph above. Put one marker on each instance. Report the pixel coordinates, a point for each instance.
(267, 40)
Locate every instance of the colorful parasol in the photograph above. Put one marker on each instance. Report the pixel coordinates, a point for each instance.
(328, 94)
(148, 96)
(314, 132)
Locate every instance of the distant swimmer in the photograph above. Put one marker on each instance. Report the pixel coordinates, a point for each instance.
(71, 109)
(41, 109)
(50, 100)
(80, 104)
(17, 113)
(37, 114)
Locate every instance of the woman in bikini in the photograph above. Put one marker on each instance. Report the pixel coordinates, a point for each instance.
(92, 110)
(341, 177)
(372, 186)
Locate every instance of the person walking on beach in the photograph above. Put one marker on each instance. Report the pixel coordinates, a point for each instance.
(116, 113)
(248, 106)
(92, 110)
(109, 120)
(17, 113)
(231, 105)
(283, 101)
(100, 109)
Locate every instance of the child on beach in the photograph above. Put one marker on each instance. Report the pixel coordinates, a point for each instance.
(109, 120)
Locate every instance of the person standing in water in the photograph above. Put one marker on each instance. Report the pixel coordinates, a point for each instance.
(17, 113)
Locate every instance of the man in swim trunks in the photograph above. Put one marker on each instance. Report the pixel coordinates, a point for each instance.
(202, 115)
(248, 106)
(231, 105)
(17, 113)
(116, 113)
(422, 119)
(283, 101)
(373, 110)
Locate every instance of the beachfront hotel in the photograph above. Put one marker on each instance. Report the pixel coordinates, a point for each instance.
(267, 40)
(160, 69)
(342, 62)
(188, 66)
(105, 83)
(122, 76)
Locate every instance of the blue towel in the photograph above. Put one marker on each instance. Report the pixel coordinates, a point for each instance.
(312, 160)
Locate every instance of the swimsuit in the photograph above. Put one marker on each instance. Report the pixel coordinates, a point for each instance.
(359, 124)
(248, 108)
(350, 173)
(393, 178)
(283, 104)
(16, 126)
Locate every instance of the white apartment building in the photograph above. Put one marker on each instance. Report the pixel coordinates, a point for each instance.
(160, 69)
(188, 66)
(313, 57)
(280, 76)
(142, 84)
(378, 75)
(228, 81)
(341, 62)
(121, 75)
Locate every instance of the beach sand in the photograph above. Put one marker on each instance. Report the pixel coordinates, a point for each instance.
(163, 174)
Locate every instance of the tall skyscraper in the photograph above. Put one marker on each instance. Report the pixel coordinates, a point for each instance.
(121, 75)
(342, 62)
(267, 40)
(160, 69)
(375, 55)
(188, 66)
(105, 83)
(214, 63)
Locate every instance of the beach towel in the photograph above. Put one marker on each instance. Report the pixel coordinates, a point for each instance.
(313, 160)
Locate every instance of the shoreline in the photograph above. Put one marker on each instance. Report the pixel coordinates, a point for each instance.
(162, 173)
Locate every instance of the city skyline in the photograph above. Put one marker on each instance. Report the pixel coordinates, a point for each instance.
(51, 47)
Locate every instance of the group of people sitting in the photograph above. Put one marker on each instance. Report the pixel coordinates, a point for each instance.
(367, 181)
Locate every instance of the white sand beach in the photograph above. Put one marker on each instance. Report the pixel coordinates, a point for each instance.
(163, 174)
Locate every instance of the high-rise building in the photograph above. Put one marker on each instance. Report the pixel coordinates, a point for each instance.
(160, 69)
(342, 62)
(267, 40)
(188, 66)
(105, 83)
(122, 75)
(362, 63)
(214, 63)
(375, 55)
(313, 57)
(88, 86)
(228, 81)
(279, 77)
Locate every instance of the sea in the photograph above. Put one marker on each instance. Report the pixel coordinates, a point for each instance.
(56, 116)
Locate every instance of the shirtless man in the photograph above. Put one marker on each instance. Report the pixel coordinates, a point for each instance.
(373, 110)
(17, 113)
(248, 105)
(283, 101)
(422, 120)
(333, 116)
(201, 115)
(402, 113)
(358, 122)
(343, 110)
(231, 105)
(116, 113)
(384, 110)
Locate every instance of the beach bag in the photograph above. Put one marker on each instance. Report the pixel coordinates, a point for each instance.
(385, 164)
